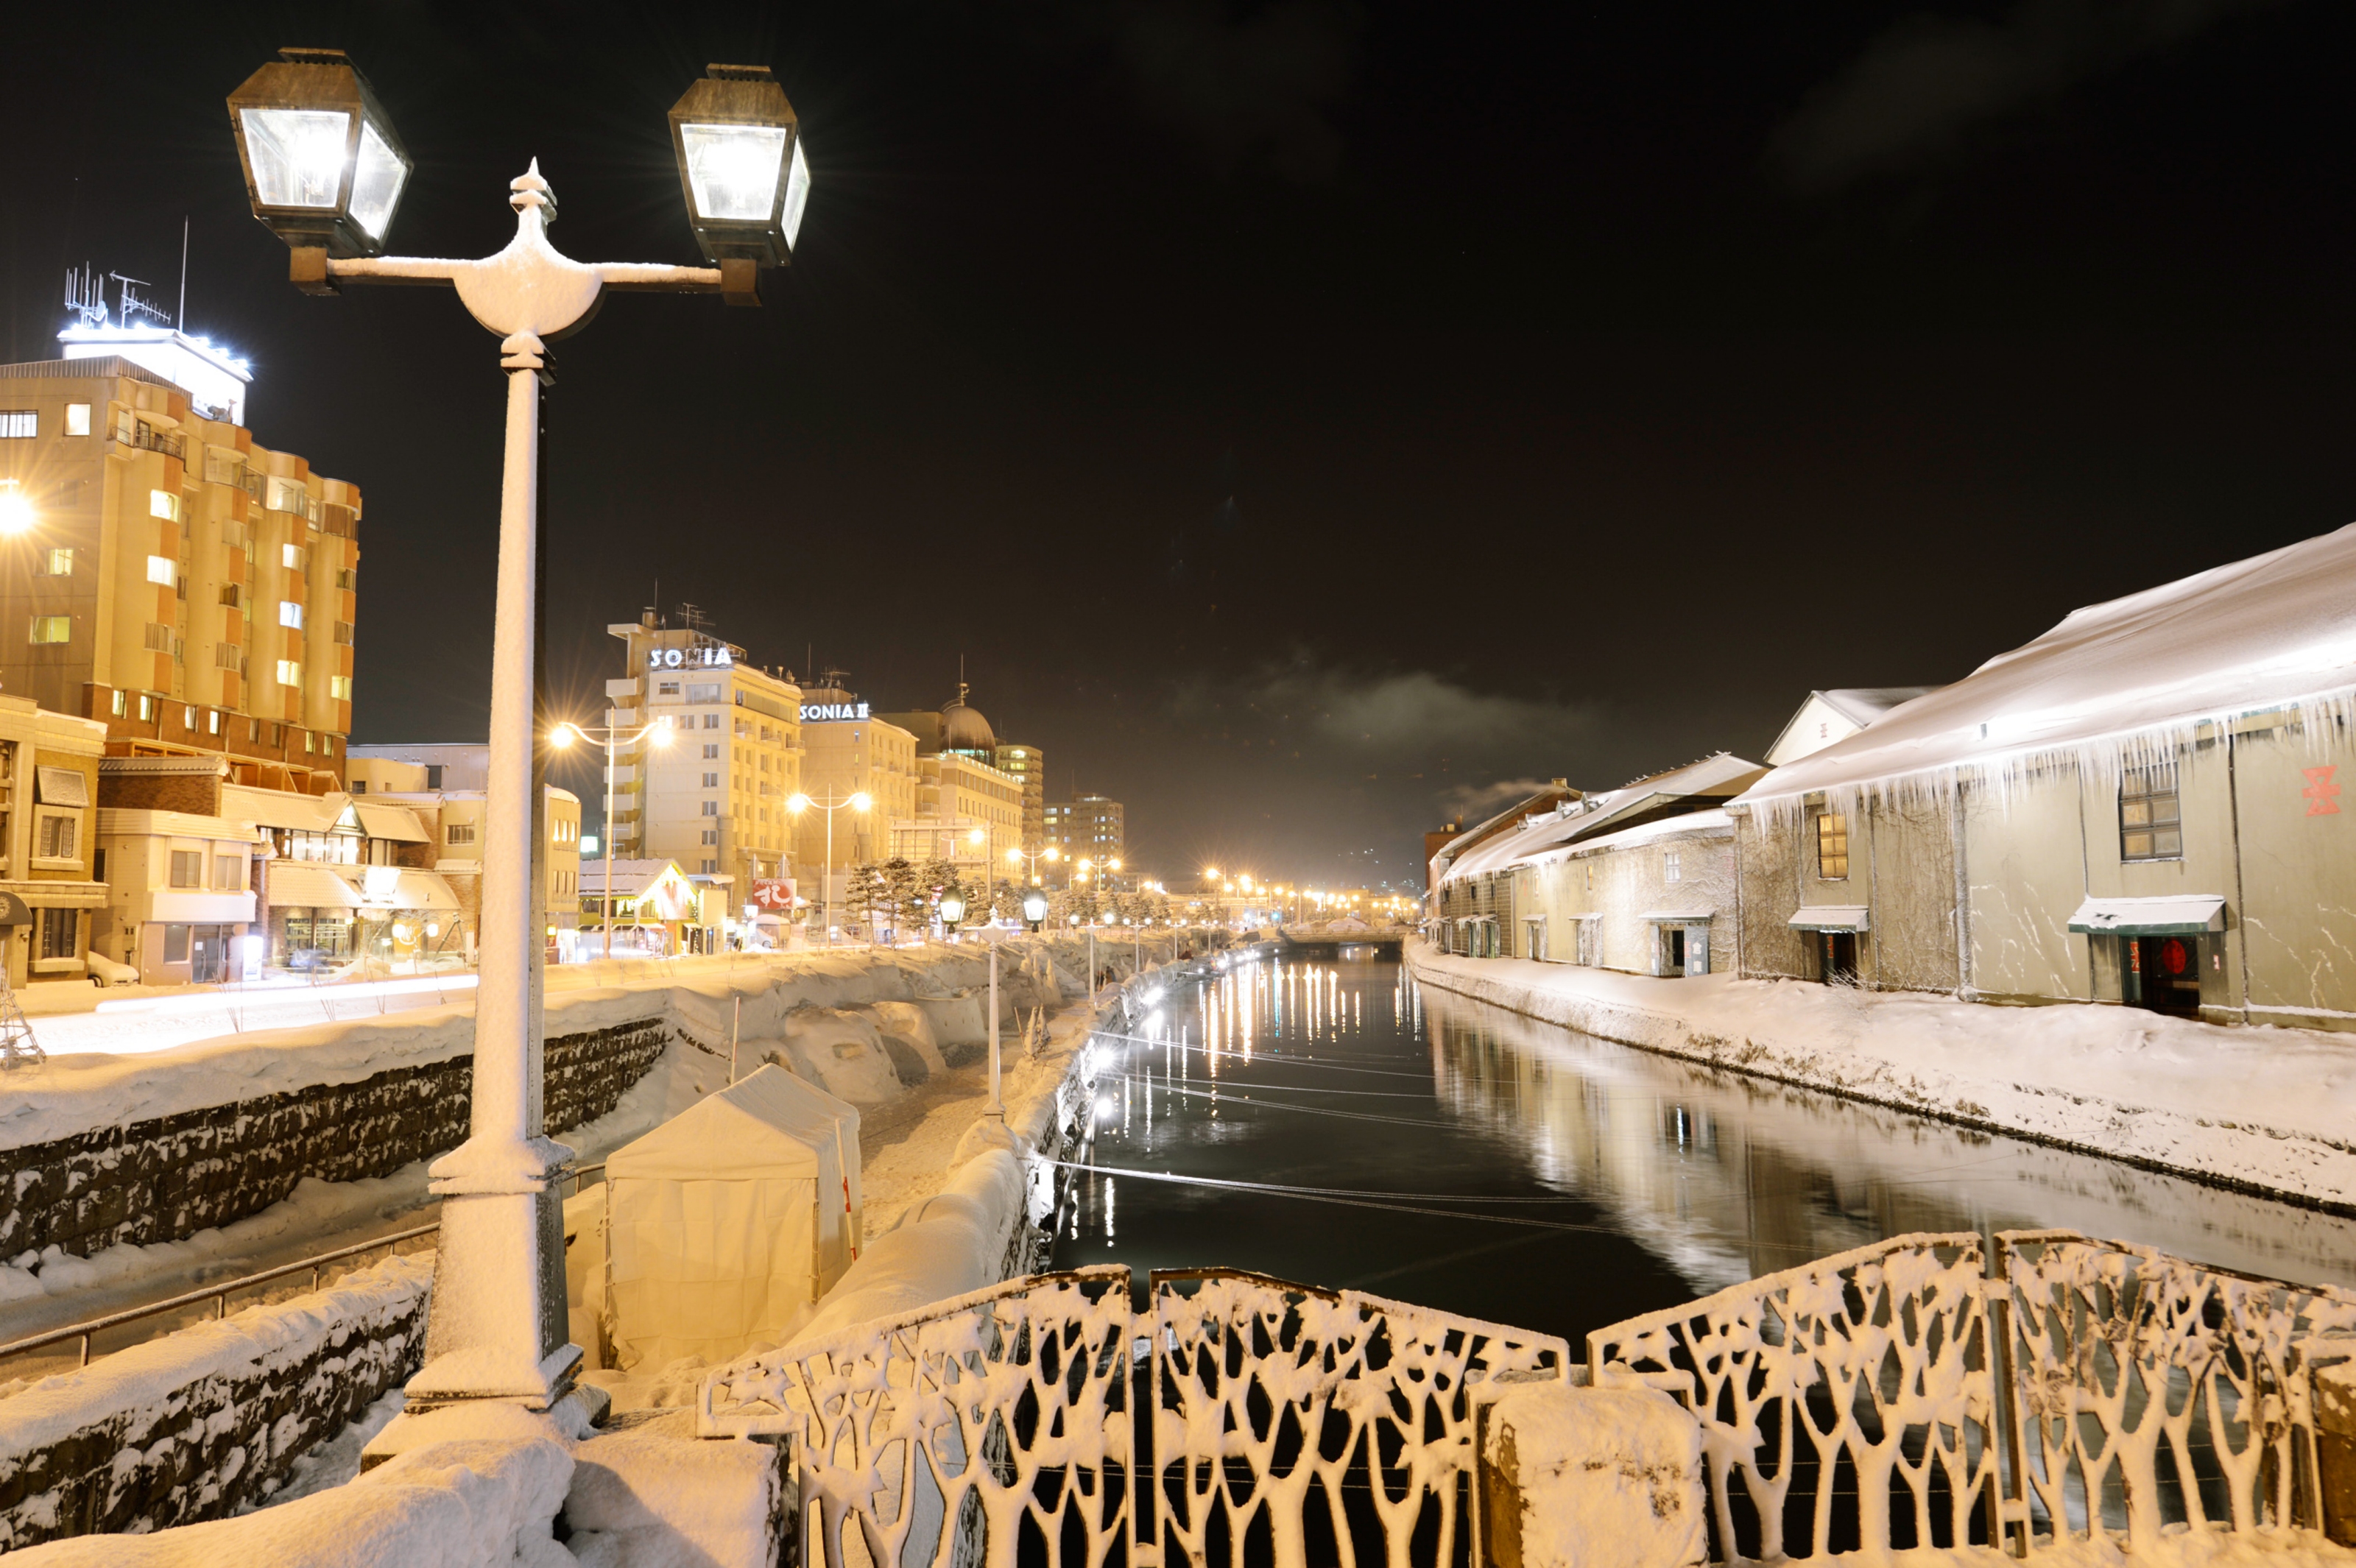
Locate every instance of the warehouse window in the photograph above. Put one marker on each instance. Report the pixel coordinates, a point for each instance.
(52, 629)
(2151, 826)
(77, 419)
(56, 563)
(19, 425)
(1832, 846)
(459, 833)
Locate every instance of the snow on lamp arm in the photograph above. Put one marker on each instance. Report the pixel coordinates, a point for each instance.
(325, 171)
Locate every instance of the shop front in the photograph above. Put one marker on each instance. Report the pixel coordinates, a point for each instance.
(393, 918)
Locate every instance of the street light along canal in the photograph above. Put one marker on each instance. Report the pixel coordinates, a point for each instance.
(1337, 1125)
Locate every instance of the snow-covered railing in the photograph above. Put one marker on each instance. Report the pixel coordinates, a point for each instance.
(1334, 1425)
(1849, 1401)
(2149, 1391)
(956, 1432)
(1005, 1425)
(1912, 1393)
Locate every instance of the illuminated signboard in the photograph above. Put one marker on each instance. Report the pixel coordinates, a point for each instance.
(832, 712)
(714, 657)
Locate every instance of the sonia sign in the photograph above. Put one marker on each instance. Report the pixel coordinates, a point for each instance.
(712, 656)
(832, 712)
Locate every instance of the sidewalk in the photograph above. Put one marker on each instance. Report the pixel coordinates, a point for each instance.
(2271, 1111)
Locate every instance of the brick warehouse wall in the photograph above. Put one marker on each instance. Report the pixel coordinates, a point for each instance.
(190, 1427)
(167, 1178)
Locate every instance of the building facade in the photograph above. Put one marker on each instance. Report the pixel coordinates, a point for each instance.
(2142, 806)
(712, 797)
(192, 590)
(1028, 764)
(48, 786)
(848, 750)
(1087, 826)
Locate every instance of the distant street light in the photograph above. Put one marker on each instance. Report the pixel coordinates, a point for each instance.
(17, 513)
(659, 734)
(797, 803)
(325, 171)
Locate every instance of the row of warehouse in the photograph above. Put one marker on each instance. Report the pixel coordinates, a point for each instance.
(2140, 806)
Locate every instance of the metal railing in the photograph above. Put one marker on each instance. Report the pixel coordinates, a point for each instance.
(218, 1295)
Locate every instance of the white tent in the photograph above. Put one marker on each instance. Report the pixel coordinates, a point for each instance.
(725, 1224)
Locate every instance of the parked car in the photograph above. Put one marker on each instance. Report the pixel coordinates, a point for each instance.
(105, 971)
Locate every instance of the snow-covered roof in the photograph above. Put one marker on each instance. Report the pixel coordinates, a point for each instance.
(1702, 823)
(2255, 635)
(1713, 778)
(1852, 708)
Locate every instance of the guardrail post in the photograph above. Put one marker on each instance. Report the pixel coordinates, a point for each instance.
(2335, 1448)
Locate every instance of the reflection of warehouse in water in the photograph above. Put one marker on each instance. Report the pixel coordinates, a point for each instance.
(1726, 1177)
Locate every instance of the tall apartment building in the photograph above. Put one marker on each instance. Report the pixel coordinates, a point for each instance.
(848, 750)
(1028, 764)
(189, 588)
(713, 798)
(1087, 826)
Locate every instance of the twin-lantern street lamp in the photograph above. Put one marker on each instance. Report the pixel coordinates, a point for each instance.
(658, 733)
(797, 803)
(326, 171)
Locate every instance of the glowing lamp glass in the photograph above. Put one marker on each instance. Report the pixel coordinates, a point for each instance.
(952, 908)
(376, 182)
(732, 170)
(298, 155)
(1035, 907)
(862, 801)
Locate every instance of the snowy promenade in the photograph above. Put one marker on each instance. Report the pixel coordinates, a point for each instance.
(2266, 1110)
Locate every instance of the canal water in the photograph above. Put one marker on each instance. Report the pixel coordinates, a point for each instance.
(1469, 1159)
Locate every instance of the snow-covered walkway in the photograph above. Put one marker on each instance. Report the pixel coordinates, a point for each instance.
(2268, 1110)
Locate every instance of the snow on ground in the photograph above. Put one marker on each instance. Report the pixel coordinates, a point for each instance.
(2273, 1110)
(336, 1460)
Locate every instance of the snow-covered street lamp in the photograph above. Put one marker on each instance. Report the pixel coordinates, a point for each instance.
(324, 172)
(324, 167)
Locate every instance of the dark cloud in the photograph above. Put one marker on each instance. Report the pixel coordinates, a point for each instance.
(1929, 81)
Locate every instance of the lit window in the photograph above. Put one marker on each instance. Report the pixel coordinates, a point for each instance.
(119, 700)
(290, 614)
(56, 563)
(294, 557)
(290, 672)
(339, 687)
(1832, 846)
(2151, 825)
(348, 577)
(77, 419)
(19, 425)
(212, 722)
(161, 568)
(163, 504)
(286, 495)
(53, 629)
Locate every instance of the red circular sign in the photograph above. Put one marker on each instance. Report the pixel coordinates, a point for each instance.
(2173, 956)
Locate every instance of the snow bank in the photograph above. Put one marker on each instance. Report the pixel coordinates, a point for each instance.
(475, 1503)
(2265, 1110)
(944, 1246)
(1578, 1475)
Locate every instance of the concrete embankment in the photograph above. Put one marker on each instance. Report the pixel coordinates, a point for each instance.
(2260, 1110)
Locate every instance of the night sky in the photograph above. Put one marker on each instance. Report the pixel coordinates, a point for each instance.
(1304, 419)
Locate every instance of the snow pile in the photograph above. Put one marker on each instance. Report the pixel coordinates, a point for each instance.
(2179, 1546)
(2257, 633)
(653, 1495)
(1578, 1475)
(2268, 1110)
(473, 1503)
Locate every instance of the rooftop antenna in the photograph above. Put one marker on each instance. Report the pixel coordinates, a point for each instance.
(180, 318)
(86, 295)
(128, 305)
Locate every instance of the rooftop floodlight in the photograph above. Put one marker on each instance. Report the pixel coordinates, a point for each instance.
(322, 167)
(740, 158)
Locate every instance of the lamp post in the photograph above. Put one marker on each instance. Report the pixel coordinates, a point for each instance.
(1035, 907)
(325, 172)
(659, 734)
(797, 803)
(952, 910)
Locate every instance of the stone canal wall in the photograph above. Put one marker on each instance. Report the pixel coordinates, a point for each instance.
(192, 1425)
(165, 1178)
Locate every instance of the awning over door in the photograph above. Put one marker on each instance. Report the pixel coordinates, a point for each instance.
(303, 884)
(2176, 914)
(1830, 917)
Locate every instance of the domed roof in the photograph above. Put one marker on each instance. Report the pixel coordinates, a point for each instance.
(963, 729)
